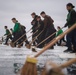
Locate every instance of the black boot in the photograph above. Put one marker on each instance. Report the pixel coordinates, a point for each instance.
(68, 50)
(74, 51)
(34, 50)
(51, 47)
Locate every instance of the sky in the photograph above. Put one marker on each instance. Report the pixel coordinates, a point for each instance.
(21, 10)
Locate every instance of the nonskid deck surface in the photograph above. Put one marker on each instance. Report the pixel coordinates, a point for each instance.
(12, 59)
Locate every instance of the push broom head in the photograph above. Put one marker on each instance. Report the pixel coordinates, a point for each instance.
(29, 67)
(48, 70)
(28, 46)
(12, 44)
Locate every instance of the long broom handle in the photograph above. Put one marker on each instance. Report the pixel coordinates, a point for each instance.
(29, 30)
(37, 36)
(19, 38)
(56, 39)
(68, 63)
(48, 37)
(22, 36)
(45, 39)
(28, 37)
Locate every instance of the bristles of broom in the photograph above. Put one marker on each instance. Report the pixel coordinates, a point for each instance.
(51, 72)
(12, 45)
(24, 68)
(29, 67)
(44, 72)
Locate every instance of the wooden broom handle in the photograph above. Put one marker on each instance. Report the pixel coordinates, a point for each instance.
(68, 63)
(22, 36)
(48, 37)
(56, 39)
(29, 30)
(28, 37)
(36, 37)
(19, 38)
